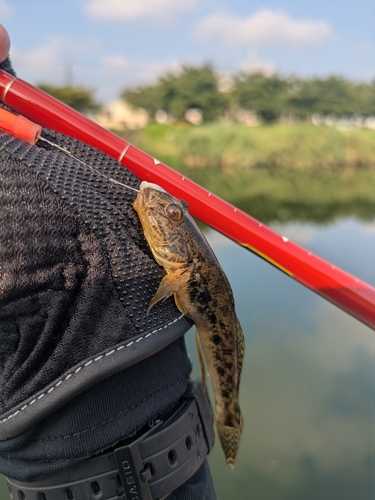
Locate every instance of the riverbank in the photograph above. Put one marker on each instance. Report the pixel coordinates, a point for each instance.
(280, 172)
(230, 147)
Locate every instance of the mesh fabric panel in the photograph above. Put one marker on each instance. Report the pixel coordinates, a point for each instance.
(76, 272)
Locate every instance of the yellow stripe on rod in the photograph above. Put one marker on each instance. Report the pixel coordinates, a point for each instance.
(265, 257)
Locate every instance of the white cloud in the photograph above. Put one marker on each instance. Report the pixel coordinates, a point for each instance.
(107, 74)
(5, 10)
(50, 55)
(141, 71)
(368, 227)
(39, 59)
(115, 63)
(263, 27)
(115, 72)
(158, 11)
(56, 61)
(73, 45)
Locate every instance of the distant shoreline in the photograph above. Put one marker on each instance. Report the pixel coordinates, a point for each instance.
(278, 172)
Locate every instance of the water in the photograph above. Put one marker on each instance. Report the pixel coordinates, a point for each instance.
(308, 390)
(308, 384)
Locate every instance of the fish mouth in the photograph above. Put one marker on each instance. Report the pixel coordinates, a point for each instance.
(150, 194)
(144, 185)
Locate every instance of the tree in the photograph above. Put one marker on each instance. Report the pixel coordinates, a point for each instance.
(364, 97)
(332, 95)
(150, 98)
(269, 96)
(79, 98)
(266, 95)
(193, 87)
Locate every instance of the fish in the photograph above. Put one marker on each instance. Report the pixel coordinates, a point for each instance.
(202, 292)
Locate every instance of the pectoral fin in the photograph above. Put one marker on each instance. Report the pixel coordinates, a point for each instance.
(179, 303)
(170, 284)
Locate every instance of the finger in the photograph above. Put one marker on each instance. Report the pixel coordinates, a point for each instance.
(4, 44)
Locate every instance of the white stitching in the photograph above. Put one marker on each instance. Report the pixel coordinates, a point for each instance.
(79, 368)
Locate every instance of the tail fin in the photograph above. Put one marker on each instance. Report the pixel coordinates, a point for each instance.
(230, 437)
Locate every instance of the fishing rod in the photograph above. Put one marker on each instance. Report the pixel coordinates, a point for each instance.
(349, 293)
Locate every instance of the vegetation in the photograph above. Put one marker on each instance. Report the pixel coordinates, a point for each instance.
(270, 97)
(232, 148)
(78, 98)
(332, 95)
(267, 96)
(193, 88)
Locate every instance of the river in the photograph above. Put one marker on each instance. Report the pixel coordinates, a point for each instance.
(308, 384)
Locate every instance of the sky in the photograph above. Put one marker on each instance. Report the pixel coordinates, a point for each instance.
(109, 45)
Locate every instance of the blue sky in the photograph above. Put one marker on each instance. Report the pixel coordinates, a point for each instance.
(107, 45)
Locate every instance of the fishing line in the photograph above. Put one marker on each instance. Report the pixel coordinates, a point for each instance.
(69, 153)
(28, 131)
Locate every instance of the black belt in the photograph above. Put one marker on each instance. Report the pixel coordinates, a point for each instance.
(148, 467)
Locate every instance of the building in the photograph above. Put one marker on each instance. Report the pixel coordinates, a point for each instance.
(121, 115)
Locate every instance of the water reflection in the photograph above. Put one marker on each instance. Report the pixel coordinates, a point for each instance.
(269, 210)
(308, 382)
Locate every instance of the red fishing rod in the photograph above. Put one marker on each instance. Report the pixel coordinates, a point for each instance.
(342, 289)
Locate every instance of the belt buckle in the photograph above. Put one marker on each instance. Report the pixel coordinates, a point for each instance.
(134, 474)
(135, 464)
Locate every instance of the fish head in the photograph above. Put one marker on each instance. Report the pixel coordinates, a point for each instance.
(162, 217)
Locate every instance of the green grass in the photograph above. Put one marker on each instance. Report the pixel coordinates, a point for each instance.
(231, 147)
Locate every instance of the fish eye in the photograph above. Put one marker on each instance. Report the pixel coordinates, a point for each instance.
(174, 212)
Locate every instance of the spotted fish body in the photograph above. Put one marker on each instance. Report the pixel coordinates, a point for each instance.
(202, 292)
